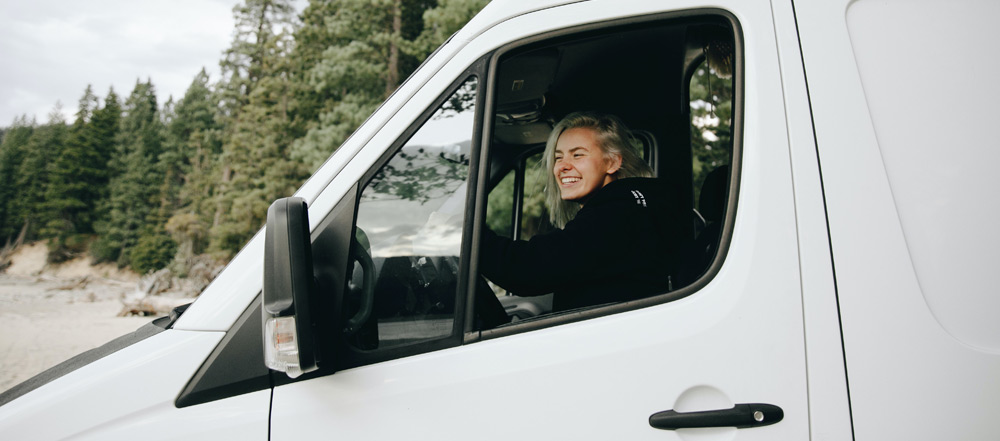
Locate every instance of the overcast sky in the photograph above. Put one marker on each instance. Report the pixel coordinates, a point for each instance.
(51, 49)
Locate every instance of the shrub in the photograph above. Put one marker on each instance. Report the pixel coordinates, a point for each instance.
(152, 253)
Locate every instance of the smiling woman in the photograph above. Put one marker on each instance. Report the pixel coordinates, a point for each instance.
(611, 213)
(586, 151)
(581, 166)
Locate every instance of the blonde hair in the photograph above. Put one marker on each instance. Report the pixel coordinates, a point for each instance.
(613, 138)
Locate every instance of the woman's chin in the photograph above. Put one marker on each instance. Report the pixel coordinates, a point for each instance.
(571, 197)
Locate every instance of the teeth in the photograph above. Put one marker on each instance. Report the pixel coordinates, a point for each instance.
(569, 180)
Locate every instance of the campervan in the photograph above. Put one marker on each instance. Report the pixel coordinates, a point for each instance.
(834, 170)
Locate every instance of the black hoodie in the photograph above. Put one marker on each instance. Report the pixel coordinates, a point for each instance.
(617, 248)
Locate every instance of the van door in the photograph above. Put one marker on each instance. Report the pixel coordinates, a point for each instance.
(900, 97)
(421, 365)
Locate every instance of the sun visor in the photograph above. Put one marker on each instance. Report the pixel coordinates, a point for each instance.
(525, 78)
(523, 82)
(523, 133)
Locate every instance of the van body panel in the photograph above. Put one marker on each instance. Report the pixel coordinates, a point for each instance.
(616, 370)
(242, 417)
(131, 393)
(497, 12)
(901, 362)
(829, 405)
(936, 157)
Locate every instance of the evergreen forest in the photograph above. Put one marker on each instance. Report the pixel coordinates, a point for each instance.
(151, 185)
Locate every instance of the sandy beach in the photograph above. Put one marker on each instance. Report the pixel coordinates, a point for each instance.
(51, 313)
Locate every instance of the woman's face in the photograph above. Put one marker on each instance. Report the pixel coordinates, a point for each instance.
(580, 168)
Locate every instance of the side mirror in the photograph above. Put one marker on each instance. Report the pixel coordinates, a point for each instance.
(289, 340)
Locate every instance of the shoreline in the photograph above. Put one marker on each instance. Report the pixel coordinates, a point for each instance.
(53, 312)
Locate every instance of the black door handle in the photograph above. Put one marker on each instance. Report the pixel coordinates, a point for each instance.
(740, 416)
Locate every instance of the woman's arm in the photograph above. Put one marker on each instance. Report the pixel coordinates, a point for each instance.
(596, 244)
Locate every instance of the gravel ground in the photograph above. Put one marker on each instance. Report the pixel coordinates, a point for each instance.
(51, 314)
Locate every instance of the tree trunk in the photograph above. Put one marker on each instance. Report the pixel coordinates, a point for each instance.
(227, 175)
(392, 76)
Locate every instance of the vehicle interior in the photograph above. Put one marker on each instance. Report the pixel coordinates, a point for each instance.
(656, 79)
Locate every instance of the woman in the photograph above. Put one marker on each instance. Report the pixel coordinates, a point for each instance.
(612, 216)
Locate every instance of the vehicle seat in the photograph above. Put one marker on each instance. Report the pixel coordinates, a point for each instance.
(646, 147)
(712, 207)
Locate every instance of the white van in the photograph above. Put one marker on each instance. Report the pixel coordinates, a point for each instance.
(836, 283)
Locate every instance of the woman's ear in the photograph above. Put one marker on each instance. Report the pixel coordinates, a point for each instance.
(614, 164)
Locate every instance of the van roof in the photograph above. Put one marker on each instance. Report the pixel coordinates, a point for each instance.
(498, 11)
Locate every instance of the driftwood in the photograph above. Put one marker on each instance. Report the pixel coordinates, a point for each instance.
(155, 295)
(160, 292)
(75, 283)
(151, 305)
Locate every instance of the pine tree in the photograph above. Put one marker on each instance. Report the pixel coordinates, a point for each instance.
(442, 21)
(75, 185)
(47, 142)
(351, 75)
(104, 128)
(33, 176)
(170, 164)
(133, 186)
(262, 27)
(254, 165)
(13, 150)
(365, 49)
(191, 150)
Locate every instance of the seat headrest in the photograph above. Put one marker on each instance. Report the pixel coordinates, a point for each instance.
(712, 201)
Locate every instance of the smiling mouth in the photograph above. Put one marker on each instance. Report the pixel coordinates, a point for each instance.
(569, 180)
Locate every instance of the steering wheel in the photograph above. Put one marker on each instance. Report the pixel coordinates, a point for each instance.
(360, 254)
(489, 310)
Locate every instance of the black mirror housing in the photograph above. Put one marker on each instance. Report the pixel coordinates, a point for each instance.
(289, 286)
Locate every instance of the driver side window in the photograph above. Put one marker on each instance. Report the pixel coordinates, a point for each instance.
(409, 223)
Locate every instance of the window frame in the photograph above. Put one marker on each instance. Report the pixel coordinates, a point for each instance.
(519, 171)
(348, 356)
(490, 93)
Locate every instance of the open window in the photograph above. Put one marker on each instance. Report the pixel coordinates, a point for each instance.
(408, 233)
(672, 82)
(388, 257)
